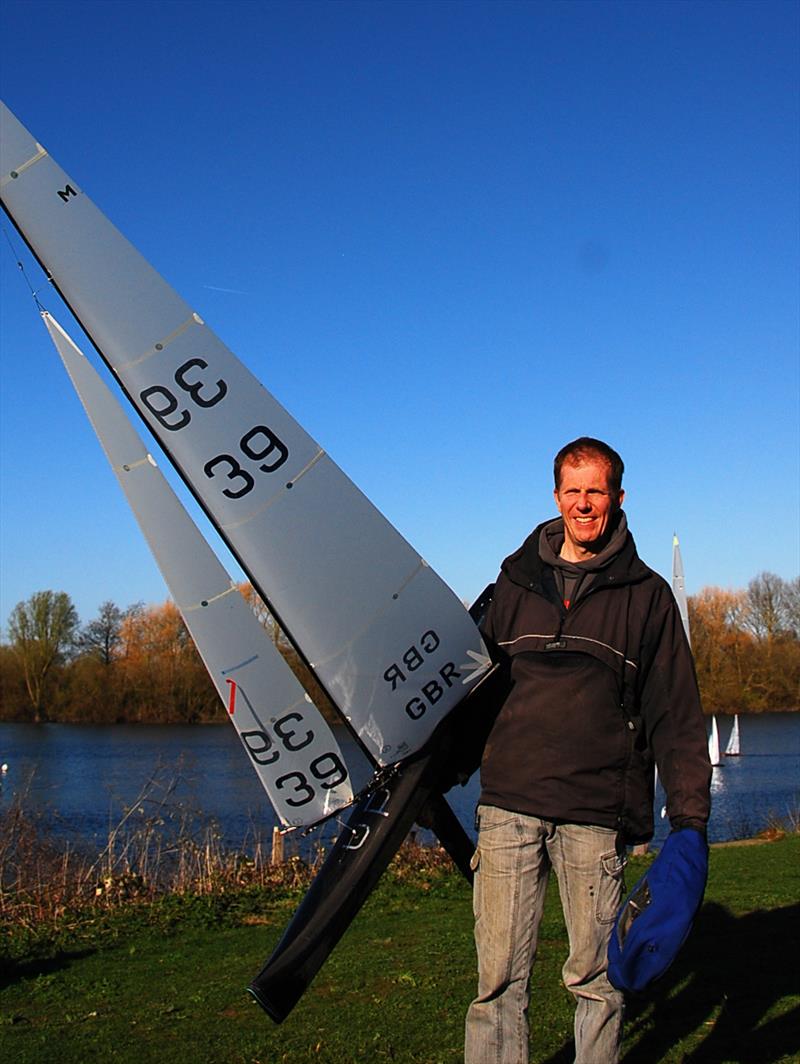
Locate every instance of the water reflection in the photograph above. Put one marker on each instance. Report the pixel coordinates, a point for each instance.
(717, 781)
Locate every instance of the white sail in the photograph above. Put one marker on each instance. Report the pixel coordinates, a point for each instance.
(679, 586)
(387, 638)
(679, 591)
(291, 746)
(733, 749)
(713, 744)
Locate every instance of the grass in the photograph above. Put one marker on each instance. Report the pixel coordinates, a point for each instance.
(162, 978)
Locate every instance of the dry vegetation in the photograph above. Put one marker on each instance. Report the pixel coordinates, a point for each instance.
(155, 849)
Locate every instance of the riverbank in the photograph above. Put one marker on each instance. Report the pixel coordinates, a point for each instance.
(164, 980)
(216, 716)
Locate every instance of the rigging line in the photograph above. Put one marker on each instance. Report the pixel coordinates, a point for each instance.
(18, 260)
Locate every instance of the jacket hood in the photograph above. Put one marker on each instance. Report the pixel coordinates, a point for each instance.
(617, 564)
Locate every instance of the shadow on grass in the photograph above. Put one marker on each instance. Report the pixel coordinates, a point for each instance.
(732, 972)
(729, 976)
(12, 971)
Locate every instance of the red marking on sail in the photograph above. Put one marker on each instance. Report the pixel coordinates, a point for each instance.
(566, 603)
(232, 699)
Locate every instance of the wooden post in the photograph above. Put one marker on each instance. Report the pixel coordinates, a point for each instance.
(277, 846)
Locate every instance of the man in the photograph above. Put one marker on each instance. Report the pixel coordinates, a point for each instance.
(601, 683)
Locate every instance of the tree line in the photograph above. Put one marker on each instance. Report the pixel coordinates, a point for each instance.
(134, 665)
(746, 645)
(140, 665)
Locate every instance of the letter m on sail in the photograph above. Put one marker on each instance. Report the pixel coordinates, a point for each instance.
(67, 192)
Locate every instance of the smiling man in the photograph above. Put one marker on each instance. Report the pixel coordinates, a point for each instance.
(601, 685)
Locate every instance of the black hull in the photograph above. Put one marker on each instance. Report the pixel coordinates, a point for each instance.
(373, 833)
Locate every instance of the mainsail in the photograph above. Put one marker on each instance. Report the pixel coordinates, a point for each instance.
(389, 641)
(289, 743)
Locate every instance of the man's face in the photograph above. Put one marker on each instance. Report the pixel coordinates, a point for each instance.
(587, 504)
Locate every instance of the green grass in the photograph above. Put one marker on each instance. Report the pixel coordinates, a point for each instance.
(165, 982)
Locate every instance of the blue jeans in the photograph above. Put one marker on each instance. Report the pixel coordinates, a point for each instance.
(512, 865)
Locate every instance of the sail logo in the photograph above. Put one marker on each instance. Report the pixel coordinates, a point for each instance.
(66, 193)
(413, 659)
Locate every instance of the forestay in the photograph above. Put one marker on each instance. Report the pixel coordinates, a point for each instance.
(292, 748)
(390, 642)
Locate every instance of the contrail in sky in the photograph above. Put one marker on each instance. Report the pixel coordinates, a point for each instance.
(231, 291)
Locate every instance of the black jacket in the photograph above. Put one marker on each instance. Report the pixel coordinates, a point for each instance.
(597, 691)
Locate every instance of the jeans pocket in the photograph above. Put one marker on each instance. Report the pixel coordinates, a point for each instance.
(490, 818)
(612, 885)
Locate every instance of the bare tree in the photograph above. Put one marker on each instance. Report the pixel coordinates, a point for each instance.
(102, 636)
(791, 606)
(766, 606)
(42, 631)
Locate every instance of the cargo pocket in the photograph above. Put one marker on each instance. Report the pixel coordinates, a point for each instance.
(477, 902)
(612, 887)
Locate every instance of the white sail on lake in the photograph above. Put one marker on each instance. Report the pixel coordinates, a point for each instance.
(291, 746)
(390, 642)
(714, 755)
(679, 586)
(679, 591)
(733, 747)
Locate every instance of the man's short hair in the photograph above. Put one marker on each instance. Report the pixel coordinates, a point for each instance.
(587, 448)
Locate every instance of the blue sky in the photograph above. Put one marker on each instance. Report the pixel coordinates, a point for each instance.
(449, 237)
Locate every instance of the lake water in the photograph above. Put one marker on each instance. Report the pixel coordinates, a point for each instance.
(82, 777)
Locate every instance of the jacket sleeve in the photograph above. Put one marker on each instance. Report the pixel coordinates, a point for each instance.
(669, 700)
(476, 717)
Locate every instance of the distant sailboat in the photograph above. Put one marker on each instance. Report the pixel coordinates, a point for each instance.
(733, 748)
(679, 586)
(713, 744)
(679, 591)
